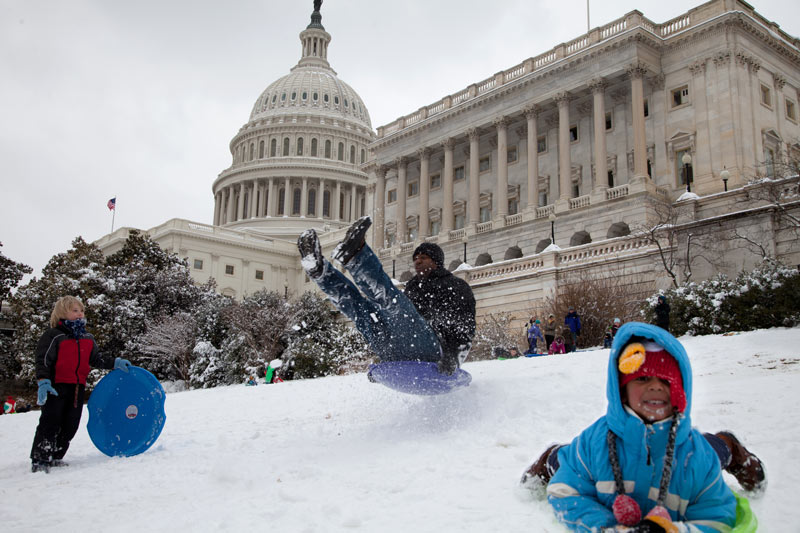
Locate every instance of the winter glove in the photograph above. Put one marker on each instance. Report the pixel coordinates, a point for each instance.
(121, 364)
(447, 365)
(44, 388)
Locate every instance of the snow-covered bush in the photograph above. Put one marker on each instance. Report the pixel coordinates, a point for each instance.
(763, 298)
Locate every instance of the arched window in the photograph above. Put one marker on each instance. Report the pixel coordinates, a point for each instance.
(363, 155)
(273, 147)
(328, 149)
(313, 148)
(340, 153)
(300, 146)
(261, 150)
(296, 195)
(286, 146)
(311, 208)
(353, 154)
(252, 151)
(281, 201)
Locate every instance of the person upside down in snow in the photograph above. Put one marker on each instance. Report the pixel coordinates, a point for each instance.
(433, 320)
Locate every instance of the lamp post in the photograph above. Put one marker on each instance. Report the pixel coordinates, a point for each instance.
(687, 160)
(725, 175)
(552, 219)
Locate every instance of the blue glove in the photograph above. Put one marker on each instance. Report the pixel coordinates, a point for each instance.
(44, 388)
(121, 364)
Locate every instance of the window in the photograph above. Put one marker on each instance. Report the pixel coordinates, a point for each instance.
(336, 100)
(296, 195)
(766, 95)
(326, 204)
(260, 275)
(340, 153)
(541, 144)
(458, 173)
(353, 154)
(326, 98)
(363, 155)
(252, 151)
(273, 147)
(680, 96)
(682, 170)
(484, 164)
(461, 220)
(791, 110)
(198, 264)
(261, 148)
(305, 96)
(576, 190)
(392, 197)
(610, 178)
(413, 189)
(229, 270)
(286, 146)
(573, 133)
(311, 208)
(512, 206)
(315, 97)
(283, 97)
(511, 155)
(435, 227)
(609, 122)
(436, 181)
(542, 198)
(294, 96)
(486, 214)
(313, 148)
(769, 162)
(646, 108)
(328, 149)
(281, 201)
(300, 146)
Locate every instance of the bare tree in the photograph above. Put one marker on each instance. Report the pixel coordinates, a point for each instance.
(168, 344)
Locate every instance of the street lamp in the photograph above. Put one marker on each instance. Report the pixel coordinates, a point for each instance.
(552, 219)
(725, 175)
(687, 160)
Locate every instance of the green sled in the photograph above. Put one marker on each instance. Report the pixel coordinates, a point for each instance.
(746, 521)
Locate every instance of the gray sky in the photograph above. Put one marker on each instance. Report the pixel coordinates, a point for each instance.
(140, 99)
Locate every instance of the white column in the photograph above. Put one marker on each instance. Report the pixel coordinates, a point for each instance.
(253, 199)
(240, 207)
(502, 168)
(230, 212)
(380, 203)
(337, 216)
(402, 230)
(600, 157)
(473, 202)
(564, 162)
(447, 184)
(532, 115)
(637, 72)
(353, 202)
(424, 191)
(272, 199)
(304, 199)
(217, 202)
(287, 197)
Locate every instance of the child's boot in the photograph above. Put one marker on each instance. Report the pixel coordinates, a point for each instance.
(744, 465)
(353, 240)
(40, 466)
(311, 253)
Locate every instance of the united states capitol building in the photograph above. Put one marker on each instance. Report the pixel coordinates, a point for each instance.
(546, 169)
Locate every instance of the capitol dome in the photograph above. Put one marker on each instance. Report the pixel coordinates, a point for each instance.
(297, 162)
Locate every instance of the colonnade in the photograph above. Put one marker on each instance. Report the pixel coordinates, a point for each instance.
(499, 128)
(263, 199)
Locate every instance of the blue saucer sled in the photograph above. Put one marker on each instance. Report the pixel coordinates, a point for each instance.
(416, 377)
(126, 412)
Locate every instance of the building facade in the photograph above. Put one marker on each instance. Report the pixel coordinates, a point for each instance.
(541, 170)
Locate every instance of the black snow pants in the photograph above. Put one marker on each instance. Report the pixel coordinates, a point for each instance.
(58, 423)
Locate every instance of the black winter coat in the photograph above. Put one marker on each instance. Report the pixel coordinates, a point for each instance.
(448, 305)
(662, 314)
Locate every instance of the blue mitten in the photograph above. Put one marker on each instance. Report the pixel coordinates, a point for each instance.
(44, 388)
(121, 364)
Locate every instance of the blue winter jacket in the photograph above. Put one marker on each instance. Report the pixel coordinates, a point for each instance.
(582, 491)
(573, 321)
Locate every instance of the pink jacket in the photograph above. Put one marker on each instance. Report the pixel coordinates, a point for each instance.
(557, 347)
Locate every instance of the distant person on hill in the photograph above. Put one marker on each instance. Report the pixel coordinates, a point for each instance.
(550, 326)
(534, 335)
(607, 338)
(557, 346)
(662, 312)
(433, 320)
(634, 464)
(573, 321)
(64, 356)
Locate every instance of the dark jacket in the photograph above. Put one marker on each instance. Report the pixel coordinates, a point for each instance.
(62, 358)
(662, 313)
(574, 322)
(447, 304)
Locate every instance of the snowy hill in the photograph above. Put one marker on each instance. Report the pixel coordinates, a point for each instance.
(343, 454)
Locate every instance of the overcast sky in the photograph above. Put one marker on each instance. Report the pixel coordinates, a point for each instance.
(139, 100)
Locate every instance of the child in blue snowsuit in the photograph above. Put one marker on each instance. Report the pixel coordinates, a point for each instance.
(642, 465)
(534, 332)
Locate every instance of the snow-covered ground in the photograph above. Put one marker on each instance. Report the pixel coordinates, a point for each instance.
(343, 454)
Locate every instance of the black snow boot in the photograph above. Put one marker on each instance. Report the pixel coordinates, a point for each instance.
(40, 466)
(311, 253)
(353, 240)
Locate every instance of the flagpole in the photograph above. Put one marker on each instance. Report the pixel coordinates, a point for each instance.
(588, 24)
(113, 213)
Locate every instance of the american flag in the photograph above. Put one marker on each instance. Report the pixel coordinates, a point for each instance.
(112, 204)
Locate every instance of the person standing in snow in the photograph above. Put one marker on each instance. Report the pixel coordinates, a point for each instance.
(573, 321)
(64, 355)
(633, 465)
(433, 320)
(534, 335)
(662, 312)
(550, 329)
